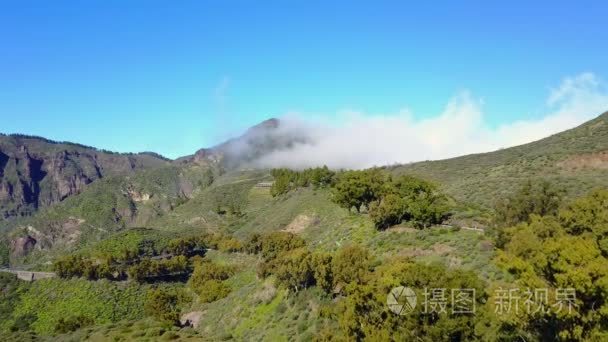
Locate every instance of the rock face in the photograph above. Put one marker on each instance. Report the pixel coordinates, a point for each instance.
(22, 246)
(191, 319)
(36, 172)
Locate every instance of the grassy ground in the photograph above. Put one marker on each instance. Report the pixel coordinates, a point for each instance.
(257, 311)
(484, 178)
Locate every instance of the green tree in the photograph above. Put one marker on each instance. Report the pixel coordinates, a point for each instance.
(388, 211)
(283, 179)
(321, 265)
(561, 252)
(212, 290)
(207, 280)
(364, 315)
(162, 304)
(535, 197)
(293, 269)
(358, 188)
(272, 244)
(351, 264)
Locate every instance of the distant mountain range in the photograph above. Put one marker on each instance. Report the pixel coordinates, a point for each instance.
(36, 172)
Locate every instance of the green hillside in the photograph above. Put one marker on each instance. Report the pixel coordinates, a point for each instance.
(136, 253)
(575, 159)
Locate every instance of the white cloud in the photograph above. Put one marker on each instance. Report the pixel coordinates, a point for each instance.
(362, 141)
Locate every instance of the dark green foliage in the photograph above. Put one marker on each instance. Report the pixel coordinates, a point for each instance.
(130, 244)
(321, 264)
(230, 198)
(358, 188)
(364, 315)
(561, 252)
(410, 199)
(207, 280)
(69, 324)
(534, 197)
(196, 245)
(298, 268)
(187, 246)
(78, 266)
(208, 178)
(286, 179)
(350, 264)
(273, 244)
(143, 261)
(387, 212)
(294, 269)
(163, 304)
(212, 290)
(391, 201)
(589, 216)
(152, 269)
(205, 270)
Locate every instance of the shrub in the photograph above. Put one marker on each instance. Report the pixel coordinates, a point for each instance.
(351, 264)
(212, 290)
(207, 280)
(162, 304)
(65, 325)
(272, 244)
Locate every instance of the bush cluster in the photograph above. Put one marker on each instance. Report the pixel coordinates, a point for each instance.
(150, 269)
(287, 257)
(145, 262)
(286, 180)
(207, 280)
(78, 266)
(391, 201)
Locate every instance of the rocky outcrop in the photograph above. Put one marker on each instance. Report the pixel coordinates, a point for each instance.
(36, 172)
(191, 319)
(22, 246)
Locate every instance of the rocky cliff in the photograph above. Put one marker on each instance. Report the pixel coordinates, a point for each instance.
(37, 172)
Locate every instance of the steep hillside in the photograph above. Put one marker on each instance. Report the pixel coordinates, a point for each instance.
(106, 206)
(36, 172)
(576, 159)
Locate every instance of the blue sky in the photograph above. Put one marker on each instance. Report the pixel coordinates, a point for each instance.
(174, 76)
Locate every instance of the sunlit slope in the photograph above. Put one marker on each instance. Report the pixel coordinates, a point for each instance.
(576, 159)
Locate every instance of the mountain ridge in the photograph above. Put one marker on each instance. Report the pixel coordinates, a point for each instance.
(36, 172)
(479, 177)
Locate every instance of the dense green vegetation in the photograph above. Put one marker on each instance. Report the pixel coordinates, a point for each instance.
(296, 262)
(50, 306)
(563, 251)
(389, 201)
(286, 179)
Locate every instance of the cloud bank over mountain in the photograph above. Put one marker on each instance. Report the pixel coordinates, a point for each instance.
(361, 140)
